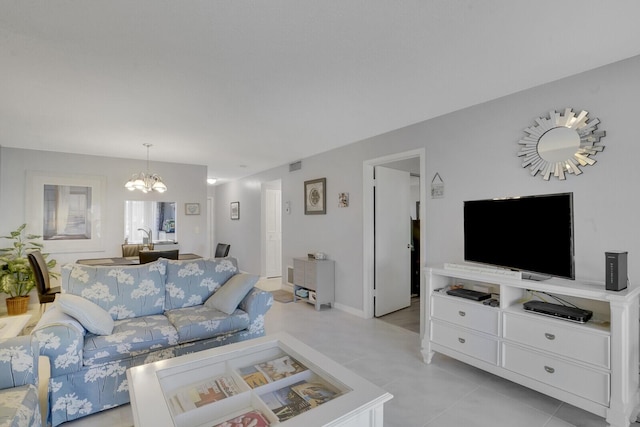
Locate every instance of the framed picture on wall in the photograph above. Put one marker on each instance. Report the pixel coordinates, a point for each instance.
(192, 208)
(65, 211)
(235, 210)
(343, 200)
(315, 195)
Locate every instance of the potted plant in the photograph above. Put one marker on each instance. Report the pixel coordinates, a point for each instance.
(16, 276)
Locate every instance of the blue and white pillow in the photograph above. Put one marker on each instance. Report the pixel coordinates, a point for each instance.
(192, 282)
(123, 291)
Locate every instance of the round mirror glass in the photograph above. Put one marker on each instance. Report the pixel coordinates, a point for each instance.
(558, 144)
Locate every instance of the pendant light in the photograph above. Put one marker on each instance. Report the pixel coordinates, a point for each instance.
(145, 181)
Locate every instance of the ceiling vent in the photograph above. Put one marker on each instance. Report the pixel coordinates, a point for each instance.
(295, 166)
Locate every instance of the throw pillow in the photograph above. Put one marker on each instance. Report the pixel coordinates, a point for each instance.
(94, 318)
(227, 298)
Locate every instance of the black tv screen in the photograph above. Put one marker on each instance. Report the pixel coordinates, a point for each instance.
(531, 234)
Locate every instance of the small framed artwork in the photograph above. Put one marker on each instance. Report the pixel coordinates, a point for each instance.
(315, 195)
(192, 208)
(437, 187)
(235, 210)
(343, 200)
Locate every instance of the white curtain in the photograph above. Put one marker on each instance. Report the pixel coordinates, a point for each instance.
(62, 208)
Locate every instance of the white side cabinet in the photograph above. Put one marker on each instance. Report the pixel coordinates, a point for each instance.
(318, 277)
(593, 366)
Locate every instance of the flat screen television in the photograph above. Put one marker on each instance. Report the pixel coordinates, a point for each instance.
(532, 234)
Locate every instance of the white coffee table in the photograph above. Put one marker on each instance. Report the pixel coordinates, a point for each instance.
(11, 326)
(154, 385)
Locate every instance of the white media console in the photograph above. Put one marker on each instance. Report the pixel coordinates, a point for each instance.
(593, 366)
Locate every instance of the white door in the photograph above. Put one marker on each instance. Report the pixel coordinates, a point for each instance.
(273, 236)
(392, 240)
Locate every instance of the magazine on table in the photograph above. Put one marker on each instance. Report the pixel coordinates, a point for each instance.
(248, 419)
(270, 371)
(315, 393)
(292, 400)
(253, 377)
(203, 393)
(286, 403)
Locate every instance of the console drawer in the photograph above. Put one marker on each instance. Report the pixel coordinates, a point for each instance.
(573, 341)
(581, 381)
(464, 341)
(471, 315)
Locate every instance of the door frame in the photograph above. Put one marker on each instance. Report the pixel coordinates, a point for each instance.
(211, 225)
(368, 273)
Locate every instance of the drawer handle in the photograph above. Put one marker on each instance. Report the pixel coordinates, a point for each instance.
(549, 369)
(462, 340)
(462, 313)
(549, 336)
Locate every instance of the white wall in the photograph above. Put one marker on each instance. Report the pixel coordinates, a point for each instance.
(186, 183)
(474, 151)
(244, 235)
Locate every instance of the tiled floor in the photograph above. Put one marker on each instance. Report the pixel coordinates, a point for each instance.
(445, 393)
(407, 318)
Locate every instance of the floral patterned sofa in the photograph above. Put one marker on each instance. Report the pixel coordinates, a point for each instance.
(19, 406)
(109, 319)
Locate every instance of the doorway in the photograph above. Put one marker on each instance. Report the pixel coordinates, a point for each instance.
(401, 161)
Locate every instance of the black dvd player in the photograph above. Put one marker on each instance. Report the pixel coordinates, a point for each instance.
(469, 294)
(559, 311)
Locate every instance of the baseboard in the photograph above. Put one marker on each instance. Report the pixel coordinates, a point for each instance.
(350, 310)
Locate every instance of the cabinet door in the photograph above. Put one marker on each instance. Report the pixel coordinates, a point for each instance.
(310, 275)
(298, 272)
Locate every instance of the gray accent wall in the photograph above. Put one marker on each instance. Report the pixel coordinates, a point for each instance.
(474, 151)
(186, 183)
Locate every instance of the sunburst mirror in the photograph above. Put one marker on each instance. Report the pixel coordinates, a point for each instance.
(560, 143)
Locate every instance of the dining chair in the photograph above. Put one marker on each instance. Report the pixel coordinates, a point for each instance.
(150, 256)
(46, 293)
(222, 250)
(133, 249)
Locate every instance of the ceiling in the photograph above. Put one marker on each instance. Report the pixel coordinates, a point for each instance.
(244, 86)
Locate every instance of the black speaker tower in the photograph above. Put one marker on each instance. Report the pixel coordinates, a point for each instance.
(615, 270)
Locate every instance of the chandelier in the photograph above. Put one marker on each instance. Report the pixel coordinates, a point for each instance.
(145, 181)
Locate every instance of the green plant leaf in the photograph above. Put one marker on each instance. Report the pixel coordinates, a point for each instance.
(16, 275)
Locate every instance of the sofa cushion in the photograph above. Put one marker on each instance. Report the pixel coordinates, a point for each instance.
(123, 291)
(130, 337)
(227, 298)
(190, 283)
(201, 322)
(91, 316)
